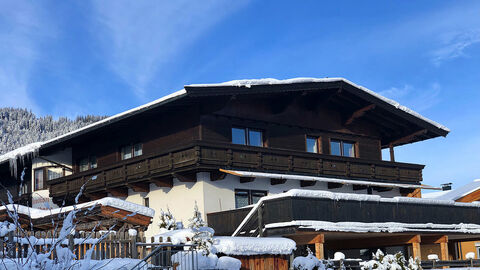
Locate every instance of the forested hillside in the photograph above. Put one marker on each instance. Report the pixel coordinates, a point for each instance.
(19, 127)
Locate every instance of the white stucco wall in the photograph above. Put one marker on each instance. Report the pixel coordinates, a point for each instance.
(214, 196)
(41, 198)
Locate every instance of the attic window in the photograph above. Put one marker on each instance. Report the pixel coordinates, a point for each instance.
(132, 150)
(312, 144)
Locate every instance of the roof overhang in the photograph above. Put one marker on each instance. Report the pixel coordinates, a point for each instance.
(326, 179)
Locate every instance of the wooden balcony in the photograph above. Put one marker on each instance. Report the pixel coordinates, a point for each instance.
(415, 215)
(184, 161)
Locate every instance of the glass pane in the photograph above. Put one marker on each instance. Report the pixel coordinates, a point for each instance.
(138, 151)
(255, 138)
(52, 174)
(348, 149)
(238, 136)
(39, 179)
(127, 152)
(312, 146)
(241, 198)
(83, 164)
(256, 195)
(93, 162)
(335, 148)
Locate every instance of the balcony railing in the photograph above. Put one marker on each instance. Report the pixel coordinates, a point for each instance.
(206, 156)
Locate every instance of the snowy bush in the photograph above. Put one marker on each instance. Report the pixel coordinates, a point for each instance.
(381, 261)
(310, 262)
(167, 221)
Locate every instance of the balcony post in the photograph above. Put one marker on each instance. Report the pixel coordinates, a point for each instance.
(319, 250)
(416, 248)
(392, 153)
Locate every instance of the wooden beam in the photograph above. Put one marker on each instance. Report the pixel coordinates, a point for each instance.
(217, 175)
(118, 191)
(434, 239)
(186, 177)
(334, 185)
(359, 113)
(244, 179)
(319, 251)
(274, 181)
(417, 254)
(139, 187)
(373, 242)
(470, 197)
(359, 187)
(408, 138)
(392, 153)
(163, 181)
(382, 189)
(307, 238)
(444, 251)
(307, 183)
(411, 192)
(96, 195)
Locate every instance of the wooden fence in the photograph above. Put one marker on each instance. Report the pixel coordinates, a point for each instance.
(113, 245)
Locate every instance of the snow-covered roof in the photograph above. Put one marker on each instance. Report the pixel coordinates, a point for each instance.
(253, 246)
(21, 151)
(324, 179)
(270, 81)
(183, 92)
(454, 194)
(390, 227)
(34, 147)
(348, 196)
(35, 213)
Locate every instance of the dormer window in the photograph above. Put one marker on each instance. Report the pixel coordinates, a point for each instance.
(247, 136)
(131, 150)
(342, 148)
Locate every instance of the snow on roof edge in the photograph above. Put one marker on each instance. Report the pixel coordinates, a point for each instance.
(271, 81)
(34, 147)
(35, 213)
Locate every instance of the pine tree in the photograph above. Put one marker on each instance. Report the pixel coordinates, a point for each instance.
(167, 221)
(196, 221)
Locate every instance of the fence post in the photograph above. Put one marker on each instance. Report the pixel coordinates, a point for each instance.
(133, 246)
(10, 245)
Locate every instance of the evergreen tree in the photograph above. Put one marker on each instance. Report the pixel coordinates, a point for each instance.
(196, 221)
(167, 221)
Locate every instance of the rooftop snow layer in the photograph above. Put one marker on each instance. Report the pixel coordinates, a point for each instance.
(21, 151)
(253, 245)
(454, 194)
(391, 227)
(270, 81)
(35, 213)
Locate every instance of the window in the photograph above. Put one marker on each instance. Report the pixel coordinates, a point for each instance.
(246, 136)
(53, 174)
(87, 163)
(129, 151)
(146, 202)
(245, 197)
(342, 148)
(39, 179)
(312, 144)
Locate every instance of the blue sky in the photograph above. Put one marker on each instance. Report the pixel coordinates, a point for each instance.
(103, 57)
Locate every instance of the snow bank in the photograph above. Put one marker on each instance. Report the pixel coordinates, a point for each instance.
(230, 263)
(270, 81)
(390, 227)
(6, 227)
(309, 262)
(253, 245)
(35, 213)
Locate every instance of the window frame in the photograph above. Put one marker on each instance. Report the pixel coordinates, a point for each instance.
(132, 147)
(247, 135)
(42, 169)
(249, 195)
(317, 139)
(90, 165)
(341, 141)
